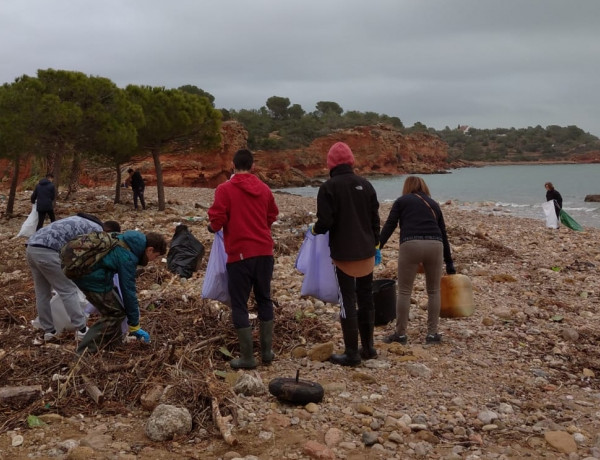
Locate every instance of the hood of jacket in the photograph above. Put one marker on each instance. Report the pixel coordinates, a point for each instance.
(135, 240)
(248, 183)
(341, 169)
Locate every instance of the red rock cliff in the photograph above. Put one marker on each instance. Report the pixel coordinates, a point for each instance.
(377, 150)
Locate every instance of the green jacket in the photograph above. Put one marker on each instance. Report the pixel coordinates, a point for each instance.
(124, 262)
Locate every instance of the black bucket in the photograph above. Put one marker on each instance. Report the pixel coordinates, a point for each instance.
(384, 299)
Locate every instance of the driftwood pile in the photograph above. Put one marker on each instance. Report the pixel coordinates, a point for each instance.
(192, 339)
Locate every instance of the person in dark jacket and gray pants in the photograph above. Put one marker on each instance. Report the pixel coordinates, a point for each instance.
(44, 194)
(348, 209)
(423, 240)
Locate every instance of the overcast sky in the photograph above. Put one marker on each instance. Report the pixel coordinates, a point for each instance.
(484, 63)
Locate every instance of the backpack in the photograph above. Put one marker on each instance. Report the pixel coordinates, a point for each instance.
(81, 253)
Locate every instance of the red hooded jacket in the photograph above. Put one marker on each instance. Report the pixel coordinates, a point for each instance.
(245, 209)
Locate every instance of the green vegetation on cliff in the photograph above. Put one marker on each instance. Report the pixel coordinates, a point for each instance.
(279, 125)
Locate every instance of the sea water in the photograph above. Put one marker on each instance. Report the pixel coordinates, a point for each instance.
(516, 190)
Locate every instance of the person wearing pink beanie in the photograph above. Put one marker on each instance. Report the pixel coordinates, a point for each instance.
(348, 209)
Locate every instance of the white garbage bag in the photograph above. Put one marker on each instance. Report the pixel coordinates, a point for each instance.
(30, 224)
(549, 211)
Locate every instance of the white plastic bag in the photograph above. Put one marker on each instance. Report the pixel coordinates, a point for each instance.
(314, 261)
(215, 284)
(550, 212)
(30, 224)
(60, 317)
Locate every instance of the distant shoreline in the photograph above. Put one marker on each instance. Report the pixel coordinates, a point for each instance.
(526, 163)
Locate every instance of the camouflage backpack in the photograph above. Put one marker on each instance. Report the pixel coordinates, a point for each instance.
(81, 253)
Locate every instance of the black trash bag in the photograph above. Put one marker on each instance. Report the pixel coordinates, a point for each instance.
(185, 252)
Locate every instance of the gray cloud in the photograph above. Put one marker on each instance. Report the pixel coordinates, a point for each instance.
(479, 62)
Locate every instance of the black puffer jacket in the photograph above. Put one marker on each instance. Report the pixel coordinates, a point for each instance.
(44, 193)
(347, 207)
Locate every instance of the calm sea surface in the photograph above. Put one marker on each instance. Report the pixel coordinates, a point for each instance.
(516, 190)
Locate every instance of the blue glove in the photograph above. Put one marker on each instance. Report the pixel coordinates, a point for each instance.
(377, 256)
(139, 334)
(450, 270)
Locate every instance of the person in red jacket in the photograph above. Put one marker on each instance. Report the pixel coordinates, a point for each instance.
(244, 207)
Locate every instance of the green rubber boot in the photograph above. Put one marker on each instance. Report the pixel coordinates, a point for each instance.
(266, 341)
(246, 359)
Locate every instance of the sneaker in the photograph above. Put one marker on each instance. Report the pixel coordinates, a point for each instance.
(80, 334)
(433, 338)
(395, 337)
(50, 336)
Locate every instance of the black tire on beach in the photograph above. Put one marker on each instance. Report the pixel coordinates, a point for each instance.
(296, 391)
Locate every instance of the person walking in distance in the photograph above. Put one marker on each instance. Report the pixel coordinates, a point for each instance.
(553, 195)
(244, 207)
(423, 240)
(137, 186)
(348, 209)
(44, 194)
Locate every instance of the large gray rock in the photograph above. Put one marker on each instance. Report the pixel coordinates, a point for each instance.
(167, 421)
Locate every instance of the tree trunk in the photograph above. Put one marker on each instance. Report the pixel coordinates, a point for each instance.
(118, 185)
(13, 188)
(74, 176)
(159, 180)
(54, 165)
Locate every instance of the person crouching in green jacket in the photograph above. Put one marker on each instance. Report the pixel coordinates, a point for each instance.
(98, 287)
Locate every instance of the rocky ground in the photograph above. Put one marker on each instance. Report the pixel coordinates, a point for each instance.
(517, 379)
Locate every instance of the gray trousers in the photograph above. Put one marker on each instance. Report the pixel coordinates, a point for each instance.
(431, 254)
(47, 275)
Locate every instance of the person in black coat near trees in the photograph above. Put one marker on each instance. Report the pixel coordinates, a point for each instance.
(44, 194)
(552, 194)
(137, 186)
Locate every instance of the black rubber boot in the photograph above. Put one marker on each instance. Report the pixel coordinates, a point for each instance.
(266, 341)
(350, 357)
(366, 323)
(246, 359)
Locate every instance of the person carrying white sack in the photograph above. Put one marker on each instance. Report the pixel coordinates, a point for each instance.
(42, 254)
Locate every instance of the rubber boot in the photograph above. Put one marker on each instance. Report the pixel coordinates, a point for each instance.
(350, 357)
(266, 341)
(366, 323)
(246, 359)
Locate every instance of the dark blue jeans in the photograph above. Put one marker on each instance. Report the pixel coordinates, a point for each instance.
(253, 274)
(138, 193)
(42, 217)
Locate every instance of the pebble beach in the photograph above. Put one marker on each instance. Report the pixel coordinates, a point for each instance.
(517, 379)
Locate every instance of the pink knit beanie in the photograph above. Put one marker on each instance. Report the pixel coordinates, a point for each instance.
(339, 154)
